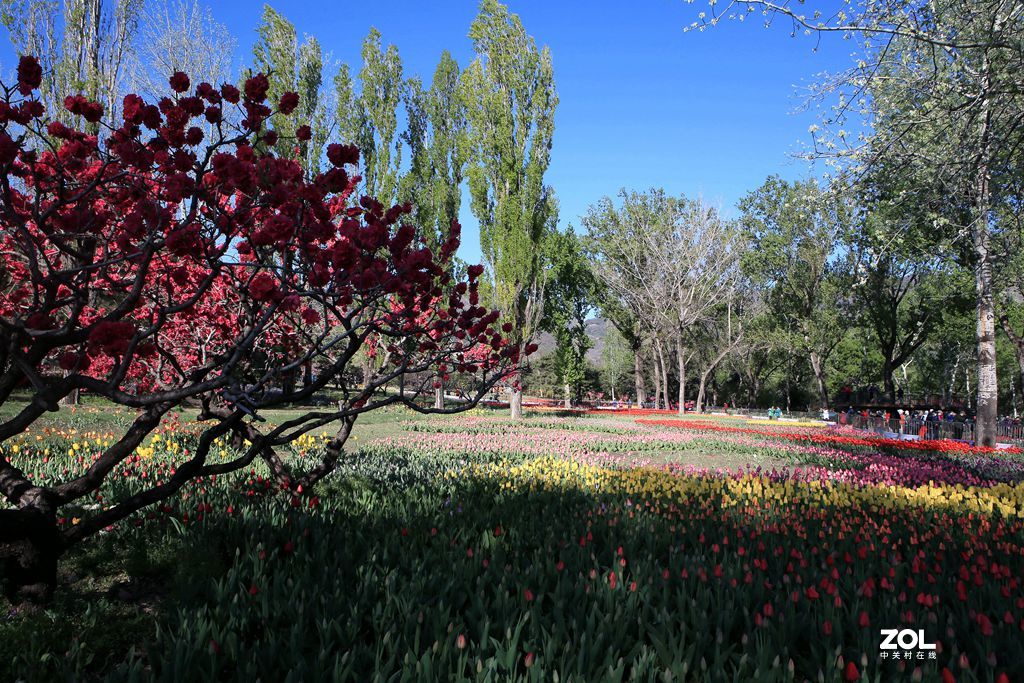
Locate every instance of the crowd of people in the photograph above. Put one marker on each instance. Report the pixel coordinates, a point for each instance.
(946, 423)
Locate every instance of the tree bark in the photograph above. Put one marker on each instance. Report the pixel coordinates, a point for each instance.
(515, 404)
(1018, 345)
(988, 388)
(888, 384)
(638, 379)
(681, 359)
(30, 547)
(819, 375)
(701, 392)
(657, 378)
(664, 375)
(439, 398)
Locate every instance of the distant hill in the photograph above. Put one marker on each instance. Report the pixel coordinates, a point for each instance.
(596, 330)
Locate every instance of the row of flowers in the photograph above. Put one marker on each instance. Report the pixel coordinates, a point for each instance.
(584, 549)
(838, 437)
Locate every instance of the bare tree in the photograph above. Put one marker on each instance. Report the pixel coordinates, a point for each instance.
(179, 35)
(672, 261)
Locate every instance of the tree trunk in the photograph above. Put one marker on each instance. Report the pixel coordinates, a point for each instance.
(701, 390)
(74, 398)
(888, 384)
(439, 398)
(664, 375)
(988, 391)
(988, 394)
(30, 547)
(1018, 348)
(681, 359)
(568, 397)
(755, 389)
(515, 404)
(367, 371)
(638, 379)
(819, 375)
(657, 378)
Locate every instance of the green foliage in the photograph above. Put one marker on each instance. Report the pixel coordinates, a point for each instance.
(616, 364)
(568, 301)
(368, 117)
(795, 231)
(292, 67)
(437, 139)
(312, 109)
(275, 54)
(510, 99)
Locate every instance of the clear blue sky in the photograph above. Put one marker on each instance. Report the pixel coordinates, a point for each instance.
(642, 103)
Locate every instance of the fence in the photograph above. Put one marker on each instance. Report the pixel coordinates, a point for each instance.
(934, 429)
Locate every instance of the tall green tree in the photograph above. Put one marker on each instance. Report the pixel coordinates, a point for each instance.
(939, 85)
(312, 103)
(568, 302)
(291, 68)
(616, 363)
(436, 136)
(275, 54)
(795, 232)
(905, 279)
(367, 116)
(509, 90)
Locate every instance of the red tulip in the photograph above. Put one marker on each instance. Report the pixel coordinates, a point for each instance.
(851, 673)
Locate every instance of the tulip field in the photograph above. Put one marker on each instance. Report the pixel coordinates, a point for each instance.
(585, 548)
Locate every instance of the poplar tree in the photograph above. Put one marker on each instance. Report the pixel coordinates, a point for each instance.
(510, 94)
(368, 118)
(436, 137)
(293, 67)
(938, 84)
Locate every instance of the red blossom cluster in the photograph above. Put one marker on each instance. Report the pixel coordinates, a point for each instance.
(141, 256)
(171, 255)
(819, 436)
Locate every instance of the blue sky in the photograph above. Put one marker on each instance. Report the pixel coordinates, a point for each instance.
(642, 103)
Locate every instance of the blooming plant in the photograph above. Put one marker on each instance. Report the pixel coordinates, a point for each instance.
(151, 263)
(434, 555)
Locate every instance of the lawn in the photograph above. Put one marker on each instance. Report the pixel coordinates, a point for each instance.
(559, 548)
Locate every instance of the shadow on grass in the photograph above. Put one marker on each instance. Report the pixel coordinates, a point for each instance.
(430, 578)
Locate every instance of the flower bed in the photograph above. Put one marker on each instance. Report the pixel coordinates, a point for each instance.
(471, 548)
